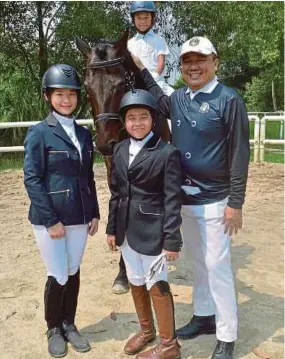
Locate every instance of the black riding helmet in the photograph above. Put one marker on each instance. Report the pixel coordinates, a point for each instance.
(60, 76)
(138, 98)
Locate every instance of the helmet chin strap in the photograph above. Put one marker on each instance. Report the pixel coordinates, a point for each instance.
(142, 138)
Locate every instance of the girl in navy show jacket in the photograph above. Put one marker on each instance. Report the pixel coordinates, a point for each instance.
(59, 179)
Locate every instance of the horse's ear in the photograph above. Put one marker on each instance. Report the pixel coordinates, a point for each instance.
(122, 44)
(82, 46)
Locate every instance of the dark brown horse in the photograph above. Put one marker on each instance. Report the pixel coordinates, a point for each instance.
(110, 73)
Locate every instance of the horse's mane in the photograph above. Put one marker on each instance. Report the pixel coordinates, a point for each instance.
(131, 66)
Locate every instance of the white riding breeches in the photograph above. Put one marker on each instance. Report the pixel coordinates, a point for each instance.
(138, 265)
(205, 241)
(62, 256)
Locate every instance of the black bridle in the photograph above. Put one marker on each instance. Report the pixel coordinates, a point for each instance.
(129, 83)
(105, 63)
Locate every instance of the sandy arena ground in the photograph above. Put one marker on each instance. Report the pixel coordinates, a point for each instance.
(257, 261)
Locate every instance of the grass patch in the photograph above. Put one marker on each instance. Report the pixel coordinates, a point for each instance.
(273, 131)
(15, 161)
(274, 157)
(11, 161)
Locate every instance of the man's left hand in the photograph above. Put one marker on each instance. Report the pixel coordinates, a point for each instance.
(171, 256)
(93, 226)
(232, 220)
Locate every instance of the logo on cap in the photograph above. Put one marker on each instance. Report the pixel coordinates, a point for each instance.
(204, 107)
(194, 41)
(69, 72)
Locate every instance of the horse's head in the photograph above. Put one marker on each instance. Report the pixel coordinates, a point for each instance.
(105, 82)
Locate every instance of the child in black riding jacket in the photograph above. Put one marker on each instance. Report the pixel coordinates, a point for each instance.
(59, 179)
(144, 221)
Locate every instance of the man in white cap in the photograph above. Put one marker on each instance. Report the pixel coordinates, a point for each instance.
(210, 128)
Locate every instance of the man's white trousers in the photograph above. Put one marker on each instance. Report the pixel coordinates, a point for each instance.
(209, 247)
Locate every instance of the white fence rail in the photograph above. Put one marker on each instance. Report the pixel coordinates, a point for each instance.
(264, 141)
(6, 125)
(257, 143)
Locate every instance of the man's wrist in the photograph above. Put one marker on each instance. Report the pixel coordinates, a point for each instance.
(234, 205)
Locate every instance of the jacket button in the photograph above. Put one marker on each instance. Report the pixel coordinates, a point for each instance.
(193, 123)
(188, 155)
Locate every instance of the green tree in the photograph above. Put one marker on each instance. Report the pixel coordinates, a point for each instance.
(33, 36)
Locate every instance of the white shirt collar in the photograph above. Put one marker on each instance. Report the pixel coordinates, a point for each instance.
(208, 88)
(64, 120)
(141, 36)
(141, 143)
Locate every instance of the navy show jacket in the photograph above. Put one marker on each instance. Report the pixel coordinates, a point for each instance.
(60, 186)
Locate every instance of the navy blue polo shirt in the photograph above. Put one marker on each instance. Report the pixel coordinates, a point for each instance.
(212, 133)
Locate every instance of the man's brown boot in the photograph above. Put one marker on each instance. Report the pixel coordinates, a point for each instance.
(168, 348)
(147, 332)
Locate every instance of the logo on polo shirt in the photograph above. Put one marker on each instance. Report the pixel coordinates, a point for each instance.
(204, 108)
(194, 42)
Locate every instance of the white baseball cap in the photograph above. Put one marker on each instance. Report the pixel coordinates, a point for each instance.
(198, 44)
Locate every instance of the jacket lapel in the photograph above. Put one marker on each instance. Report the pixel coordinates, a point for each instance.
(59, 131)
(144, 152)
(57, 128)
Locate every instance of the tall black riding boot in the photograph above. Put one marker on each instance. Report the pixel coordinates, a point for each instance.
(70, 298)
(53, 314)
(121, 283)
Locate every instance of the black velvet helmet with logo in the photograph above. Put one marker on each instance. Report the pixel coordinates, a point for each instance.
(60, 76)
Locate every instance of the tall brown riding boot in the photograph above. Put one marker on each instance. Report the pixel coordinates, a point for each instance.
(168, 348)
(147, 332)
